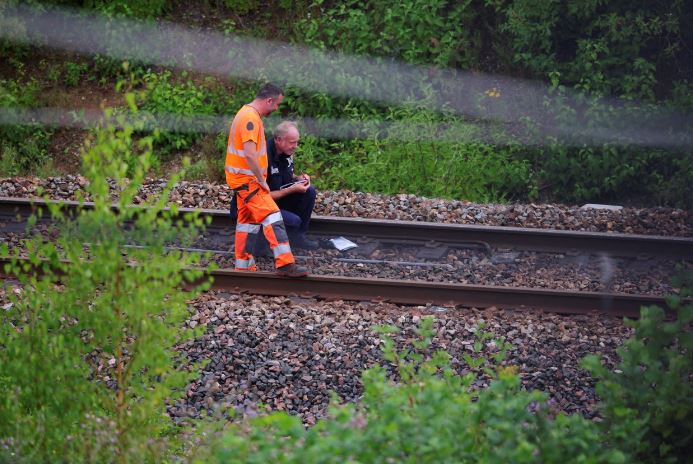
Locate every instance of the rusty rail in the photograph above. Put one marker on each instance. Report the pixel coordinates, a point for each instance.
(445, 295)
(610, 244)
(440, 294)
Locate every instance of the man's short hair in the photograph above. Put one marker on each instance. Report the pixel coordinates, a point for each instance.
(283, 128)
(269, 90)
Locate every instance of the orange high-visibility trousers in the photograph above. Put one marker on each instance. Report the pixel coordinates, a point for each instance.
(256, 209)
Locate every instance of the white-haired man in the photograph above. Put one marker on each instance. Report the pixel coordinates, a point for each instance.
(293, 193)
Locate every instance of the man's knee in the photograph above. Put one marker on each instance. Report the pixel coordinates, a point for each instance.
(291, 220)
(311, 192)
(307, 199)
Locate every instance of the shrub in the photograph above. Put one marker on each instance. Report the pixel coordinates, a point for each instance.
(166, 98)
(87, 358)
(73, 73)
(23, 148)
(611, 173)
(647, 401)
(423, 154)
(613, 48)
(240, 7)
(134, 8)
(417, 31)
(213, 148)
(15, 50)
(26, 156)
(210, 166)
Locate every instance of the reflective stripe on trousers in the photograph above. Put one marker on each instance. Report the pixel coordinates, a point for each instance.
(246, 236)
(259, 211)
(249, 228)
(246, 264)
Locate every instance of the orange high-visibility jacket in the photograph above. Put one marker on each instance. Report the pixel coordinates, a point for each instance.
(246, 126)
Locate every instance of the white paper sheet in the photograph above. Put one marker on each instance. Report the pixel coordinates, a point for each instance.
(343, 244)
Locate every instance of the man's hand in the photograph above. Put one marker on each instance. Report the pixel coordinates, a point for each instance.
(305, 177)
(253, 158)
(299, 187)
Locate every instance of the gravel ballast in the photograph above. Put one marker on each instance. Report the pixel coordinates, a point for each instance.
(289, 353)
(649, 221)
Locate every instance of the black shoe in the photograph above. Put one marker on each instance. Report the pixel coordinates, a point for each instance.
(292, 270)
(304, 243)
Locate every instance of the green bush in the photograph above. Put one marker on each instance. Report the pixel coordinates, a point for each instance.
(167, 98)
(27, 155)
(682, 98)
(240, 7)
(210, 165)
(23, 148)
(52, 72)
(611, 48)
(73, 73)
(19, 94)
(609, 173)
(423, 154)
(647, 401)
(8, 48)
(614, 49)
(87, 347)
(474, 172)
(418, 31)
(131, 8)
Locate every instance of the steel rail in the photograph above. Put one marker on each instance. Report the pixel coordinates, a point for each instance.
(434, 293)
(547, 240)
(445, 295)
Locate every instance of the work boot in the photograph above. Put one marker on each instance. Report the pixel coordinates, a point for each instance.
(304, 243)
(292, 270)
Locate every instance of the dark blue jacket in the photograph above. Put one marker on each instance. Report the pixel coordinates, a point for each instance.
(280, 169)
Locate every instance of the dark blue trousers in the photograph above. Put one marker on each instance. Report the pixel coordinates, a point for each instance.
(296, 210)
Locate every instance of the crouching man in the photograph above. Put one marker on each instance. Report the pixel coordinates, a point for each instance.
(293, 193)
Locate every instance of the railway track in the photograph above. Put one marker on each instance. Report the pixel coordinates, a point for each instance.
(432, 241)
(611, 244)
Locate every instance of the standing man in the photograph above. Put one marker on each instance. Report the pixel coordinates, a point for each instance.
(297, 199)
(246, 174)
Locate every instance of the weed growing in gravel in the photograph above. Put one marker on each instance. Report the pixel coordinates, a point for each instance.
(430, 415)
(434, 415)
(87, 361)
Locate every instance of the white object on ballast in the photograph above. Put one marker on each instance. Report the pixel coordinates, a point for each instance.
(598, 206)
(343, 244)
